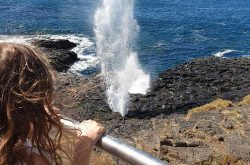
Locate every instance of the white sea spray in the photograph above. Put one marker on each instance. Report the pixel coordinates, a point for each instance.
(115, 30)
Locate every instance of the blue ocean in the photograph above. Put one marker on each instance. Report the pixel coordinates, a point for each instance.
(171, 31)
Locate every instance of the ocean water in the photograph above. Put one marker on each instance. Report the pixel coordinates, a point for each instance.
(171, 31)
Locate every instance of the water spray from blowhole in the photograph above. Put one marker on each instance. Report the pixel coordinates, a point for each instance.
(116, 30)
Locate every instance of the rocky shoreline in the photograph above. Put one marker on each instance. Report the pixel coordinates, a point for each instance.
(166, 121)
(59, 52)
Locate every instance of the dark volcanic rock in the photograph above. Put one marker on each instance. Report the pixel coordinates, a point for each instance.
(193, 84)
(176, 91)
(158, 123)
(59, 53)
(82, 99)
(55, 44)
(61, 59)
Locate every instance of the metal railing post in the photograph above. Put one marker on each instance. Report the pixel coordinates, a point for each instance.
(119, 149)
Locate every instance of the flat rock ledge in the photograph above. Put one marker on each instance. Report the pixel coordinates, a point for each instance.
(195, 113)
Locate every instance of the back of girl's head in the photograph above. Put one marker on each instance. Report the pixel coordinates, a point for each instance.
(25, 75)
(26, 89)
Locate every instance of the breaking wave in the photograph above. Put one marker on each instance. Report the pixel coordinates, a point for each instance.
(223, 53)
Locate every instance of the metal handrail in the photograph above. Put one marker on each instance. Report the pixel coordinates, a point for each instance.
(117, 148)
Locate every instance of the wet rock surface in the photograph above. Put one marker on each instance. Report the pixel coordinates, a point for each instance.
(165, 122)
(194, 84)
(59, 52)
